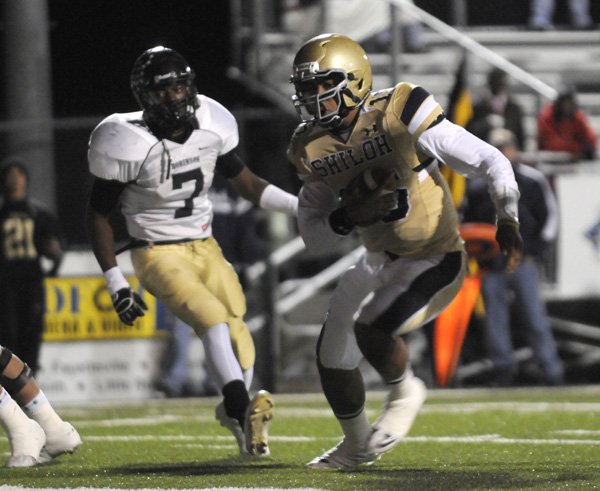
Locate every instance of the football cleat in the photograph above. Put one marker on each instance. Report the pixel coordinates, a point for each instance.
(397, 417)
(343, 455)
(256, 428)
(232, 425)
(26, 442)
(60, 440)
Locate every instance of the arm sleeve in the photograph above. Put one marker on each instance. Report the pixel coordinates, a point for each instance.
(105, 195)
(229, 165)
(315, 202)
(472, 157)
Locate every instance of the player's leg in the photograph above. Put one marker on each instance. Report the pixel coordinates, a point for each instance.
(338, 358)
(201, 288)
(25, 436)
(410, 294)
(16, 378)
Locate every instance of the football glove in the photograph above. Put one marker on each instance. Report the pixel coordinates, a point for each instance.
(365, 205)
(510, 242)
(128, 305)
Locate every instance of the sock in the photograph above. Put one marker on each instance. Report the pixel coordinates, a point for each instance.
(221, 362)
(397, 385)
(4, 399)
(236, 400)
(40, 410)
(356, 429)
(248, 375)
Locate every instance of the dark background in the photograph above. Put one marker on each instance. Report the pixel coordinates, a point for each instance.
(95, 42)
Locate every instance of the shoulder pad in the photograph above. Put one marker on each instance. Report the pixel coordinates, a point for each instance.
(214, 117)
(117, 147)
(380, 96)
(415, 107)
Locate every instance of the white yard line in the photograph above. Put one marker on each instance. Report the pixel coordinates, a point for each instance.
(410, 439)
(470, 407)
(21, 488)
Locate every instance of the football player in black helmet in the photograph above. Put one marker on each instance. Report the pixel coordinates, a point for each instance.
(164, 85)
(158, 164)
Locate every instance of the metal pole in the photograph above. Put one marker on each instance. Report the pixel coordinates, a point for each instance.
(258, 30)
(29, 94)
(235, 33)
(271, 334)
(324, 19)
(459, 13)
(396, 45)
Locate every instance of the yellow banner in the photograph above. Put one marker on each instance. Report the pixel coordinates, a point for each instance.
(80, 308)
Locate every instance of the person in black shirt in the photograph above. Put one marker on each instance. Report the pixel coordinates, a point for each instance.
(28, 232)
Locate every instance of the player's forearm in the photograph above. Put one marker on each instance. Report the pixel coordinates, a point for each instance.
(102, 239)
(316, 203)
(263, 193)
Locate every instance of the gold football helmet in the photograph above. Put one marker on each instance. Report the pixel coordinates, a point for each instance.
(343, 64)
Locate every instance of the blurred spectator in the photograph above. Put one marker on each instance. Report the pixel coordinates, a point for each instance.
(411, 34)
(542, 11)
(497, 108)
(538, 225)
(234, 226)
(28, 232)
(564, 127)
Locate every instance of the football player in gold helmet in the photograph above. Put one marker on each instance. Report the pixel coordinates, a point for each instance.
(369, 163)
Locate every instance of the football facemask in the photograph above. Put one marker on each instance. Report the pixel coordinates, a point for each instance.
(312, 106)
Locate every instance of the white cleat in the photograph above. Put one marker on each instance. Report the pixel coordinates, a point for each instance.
(232, 425)
(26, 443)
(343, 455)
(397, 417)
(258, 416)
(60, 440)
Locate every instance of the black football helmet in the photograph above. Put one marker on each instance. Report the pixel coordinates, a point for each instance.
(155, 69)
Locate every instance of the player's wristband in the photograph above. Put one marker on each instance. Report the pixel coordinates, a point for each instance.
(276, 199)
(340, 222)
(509, 222)
(115, 280)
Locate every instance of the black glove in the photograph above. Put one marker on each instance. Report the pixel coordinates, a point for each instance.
(510, 242)
(129, 305)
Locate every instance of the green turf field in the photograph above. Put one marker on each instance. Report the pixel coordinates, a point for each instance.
(462, 440)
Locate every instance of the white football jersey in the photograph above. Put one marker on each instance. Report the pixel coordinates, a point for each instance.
(166, 197)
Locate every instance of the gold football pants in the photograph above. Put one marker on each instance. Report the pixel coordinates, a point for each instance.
(199, 286)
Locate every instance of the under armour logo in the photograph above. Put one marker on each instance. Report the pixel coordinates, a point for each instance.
(372, 129)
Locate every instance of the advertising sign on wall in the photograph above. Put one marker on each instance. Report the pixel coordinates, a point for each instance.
(88, 353)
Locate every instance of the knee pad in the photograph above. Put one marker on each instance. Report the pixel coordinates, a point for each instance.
(338, 350)
(14, 385)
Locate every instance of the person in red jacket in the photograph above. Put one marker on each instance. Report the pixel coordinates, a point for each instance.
(564, 127)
